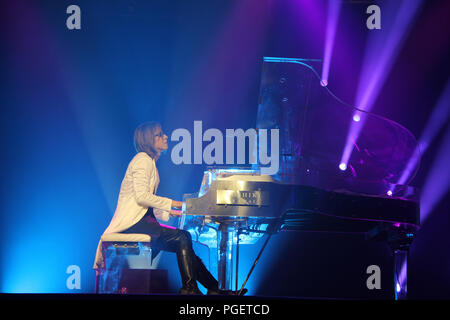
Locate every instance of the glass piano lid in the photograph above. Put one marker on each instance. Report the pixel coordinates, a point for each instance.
(231, 174)
(327, 143)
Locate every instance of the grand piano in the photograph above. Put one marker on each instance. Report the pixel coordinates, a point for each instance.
(341, 169)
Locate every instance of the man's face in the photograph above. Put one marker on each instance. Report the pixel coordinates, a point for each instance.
(160, 140)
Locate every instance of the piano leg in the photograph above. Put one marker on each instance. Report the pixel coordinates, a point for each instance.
(400, 273)
(225, 254)
(400, 239)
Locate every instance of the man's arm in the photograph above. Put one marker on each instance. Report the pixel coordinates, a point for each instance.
(143, 187)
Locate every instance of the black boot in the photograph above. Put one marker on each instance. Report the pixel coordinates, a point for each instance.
(205, 277)
(186, 265)
(227, 292)
(210, 283)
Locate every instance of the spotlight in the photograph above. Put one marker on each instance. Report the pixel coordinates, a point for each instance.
(356, 118)
(334, 6)
(343, 166)
(381, 52)
(389, 193)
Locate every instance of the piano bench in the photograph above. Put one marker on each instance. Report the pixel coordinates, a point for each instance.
(129, 267)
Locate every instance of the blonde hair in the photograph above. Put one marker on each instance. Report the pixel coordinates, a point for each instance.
(144, 138)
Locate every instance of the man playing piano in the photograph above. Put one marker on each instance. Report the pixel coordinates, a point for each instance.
(139, 207)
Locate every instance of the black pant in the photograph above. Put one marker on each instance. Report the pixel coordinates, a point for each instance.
(179, 241)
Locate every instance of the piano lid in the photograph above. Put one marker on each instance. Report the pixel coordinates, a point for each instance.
(326, 143)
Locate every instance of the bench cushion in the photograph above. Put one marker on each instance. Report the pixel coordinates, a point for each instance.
(125, 237)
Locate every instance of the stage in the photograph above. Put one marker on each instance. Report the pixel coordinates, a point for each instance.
(298, 149)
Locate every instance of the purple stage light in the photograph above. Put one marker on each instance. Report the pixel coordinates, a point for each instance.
(438, 180)
(334, 7)
(356, 118)
(438, 118)
(437, 183)
(350, 142)
(381, 52)
(435, 187)
(343, 166)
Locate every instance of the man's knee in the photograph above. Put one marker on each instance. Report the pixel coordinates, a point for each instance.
(185, 239)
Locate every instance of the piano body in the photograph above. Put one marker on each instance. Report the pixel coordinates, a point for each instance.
(312, 191)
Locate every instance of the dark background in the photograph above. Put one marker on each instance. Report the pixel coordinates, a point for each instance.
(71, 99)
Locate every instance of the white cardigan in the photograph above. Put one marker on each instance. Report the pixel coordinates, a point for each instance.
(137, 194)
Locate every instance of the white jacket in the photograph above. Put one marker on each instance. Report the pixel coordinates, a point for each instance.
(137, 194)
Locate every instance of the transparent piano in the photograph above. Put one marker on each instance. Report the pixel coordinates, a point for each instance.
(341, 169)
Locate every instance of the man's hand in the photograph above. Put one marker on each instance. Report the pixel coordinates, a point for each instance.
(177, 204)
(175, 213)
